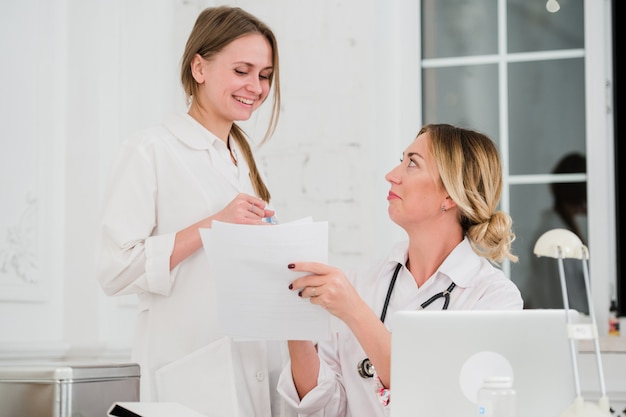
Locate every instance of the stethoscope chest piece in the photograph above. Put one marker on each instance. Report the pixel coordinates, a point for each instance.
(365, 368)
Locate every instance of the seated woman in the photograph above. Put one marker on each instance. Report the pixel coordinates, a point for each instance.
(444, 194)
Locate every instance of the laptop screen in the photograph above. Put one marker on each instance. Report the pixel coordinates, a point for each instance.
(439, 360)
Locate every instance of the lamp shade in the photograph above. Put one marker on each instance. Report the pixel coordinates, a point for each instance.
(551, 241)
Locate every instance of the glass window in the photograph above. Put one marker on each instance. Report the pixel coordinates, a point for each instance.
(546, 113)
(538, 208)
(531, 28)
(528, 95)
(464, 96)
(459, 28)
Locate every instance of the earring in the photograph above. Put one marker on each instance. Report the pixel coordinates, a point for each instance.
(443, 209)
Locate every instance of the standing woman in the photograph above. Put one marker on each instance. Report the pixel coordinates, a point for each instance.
(444, 194)
(167, 182)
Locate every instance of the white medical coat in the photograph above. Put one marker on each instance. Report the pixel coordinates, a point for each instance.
(341, 392)
(164, 179)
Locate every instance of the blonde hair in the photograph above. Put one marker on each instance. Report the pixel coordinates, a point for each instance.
(471, 171)
(215, 28)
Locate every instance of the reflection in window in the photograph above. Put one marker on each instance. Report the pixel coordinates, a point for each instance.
(563, 207)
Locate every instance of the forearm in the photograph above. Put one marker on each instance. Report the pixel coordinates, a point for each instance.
(375, 340)
(187, 242)
(305, 365)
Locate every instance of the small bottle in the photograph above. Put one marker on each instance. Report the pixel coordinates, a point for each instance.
(497, 398)
(613, 319)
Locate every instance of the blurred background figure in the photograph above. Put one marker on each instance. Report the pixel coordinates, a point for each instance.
(568, 211)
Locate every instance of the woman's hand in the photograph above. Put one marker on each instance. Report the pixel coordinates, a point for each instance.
(244, 209)
(328, 287)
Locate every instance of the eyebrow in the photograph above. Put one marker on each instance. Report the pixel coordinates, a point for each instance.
(249, 64)
(410, 154)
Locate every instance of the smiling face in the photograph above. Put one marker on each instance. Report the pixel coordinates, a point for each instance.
(417, 194)
(234, 82)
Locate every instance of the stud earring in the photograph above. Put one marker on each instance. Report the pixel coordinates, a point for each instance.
(443, 209)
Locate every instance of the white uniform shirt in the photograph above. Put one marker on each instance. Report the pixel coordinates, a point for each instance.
(164, 179)
(341, 391)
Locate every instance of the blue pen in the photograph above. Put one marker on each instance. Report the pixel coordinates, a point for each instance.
(271, 220)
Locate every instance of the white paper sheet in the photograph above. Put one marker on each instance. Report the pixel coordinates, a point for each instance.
(249, 264)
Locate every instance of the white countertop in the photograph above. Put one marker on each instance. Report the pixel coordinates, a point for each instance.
(608, 344)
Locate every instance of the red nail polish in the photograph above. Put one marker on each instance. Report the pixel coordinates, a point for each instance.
(300, 294)
(291, 266)
(291, 286)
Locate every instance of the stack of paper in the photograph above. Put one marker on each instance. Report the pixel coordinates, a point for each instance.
(249, 263)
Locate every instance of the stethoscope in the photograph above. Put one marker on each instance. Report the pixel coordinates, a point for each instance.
(365, 367)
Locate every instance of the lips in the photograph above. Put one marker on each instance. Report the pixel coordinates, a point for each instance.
(392, 196)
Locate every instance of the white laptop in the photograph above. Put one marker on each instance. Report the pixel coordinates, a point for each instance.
(440, 358)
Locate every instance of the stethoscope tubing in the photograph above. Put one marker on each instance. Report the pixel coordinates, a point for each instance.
(365, 367)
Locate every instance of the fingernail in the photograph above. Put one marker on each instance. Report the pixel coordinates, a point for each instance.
(291, 286)
(291, 266)
(300, 294)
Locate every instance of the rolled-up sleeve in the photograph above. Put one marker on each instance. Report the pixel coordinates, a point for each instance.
(130, 259)
(326, 399)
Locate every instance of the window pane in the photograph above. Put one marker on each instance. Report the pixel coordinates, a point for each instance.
(465, 96)
(459, 28)
(533, 215)
(530, 27)
(527, 202)
(546, 113)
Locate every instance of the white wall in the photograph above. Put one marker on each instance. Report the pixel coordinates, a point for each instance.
(85, 73)
(32, 175)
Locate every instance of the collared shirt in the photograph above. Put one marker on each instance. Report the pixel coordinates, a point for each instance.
(165, 179)
(341, 391)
